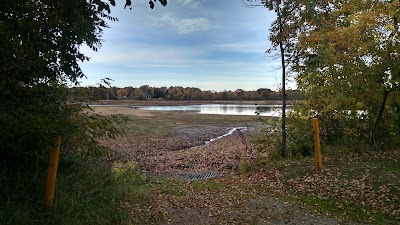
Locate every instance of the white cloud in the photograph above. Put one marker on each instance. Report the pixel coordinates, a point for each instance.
(244, 47)
(184, 26)
(141, 55)
(192, 25)
(187, 2)
(190, 3)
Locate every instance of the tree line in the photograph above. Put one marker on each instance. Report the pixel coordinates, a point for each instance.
(177, 93)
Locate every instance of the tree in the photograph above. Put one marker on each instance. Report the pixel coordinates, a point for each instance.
(40, 50)
(178, 93)
(264, 93)
(159, 92)
(282, 36)
(138, 94)
(348, 67)
(145, 88)
(100, 93)
(197, 94)
(122, 93)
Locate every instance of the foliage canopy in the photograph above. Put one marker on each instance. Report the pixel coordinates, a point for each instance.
(345, 58)
(40, 53)
(347, 63)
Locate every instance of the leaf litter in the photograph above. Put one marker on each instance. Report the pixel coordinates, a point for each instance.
(256, 197)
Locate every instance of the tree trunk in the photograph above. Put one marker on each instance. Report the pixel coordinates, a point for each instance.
(379, 117)
(282, 52)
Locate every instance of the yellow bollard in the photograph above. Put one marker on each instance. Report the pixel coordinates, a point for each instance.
(317, 144)
(51, 175)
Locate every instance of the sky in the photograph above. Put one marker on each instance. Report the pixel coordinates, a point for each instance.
(210, 44)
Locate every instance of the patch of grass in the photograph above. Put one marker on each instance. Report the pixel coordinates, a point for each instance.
(346, 211)
(172, 187)
(296, 168)
(145, 126)
(245, 167)
(206, 185)
(361, 186)
(387, 170)
(292, 167)
(166, 120)
(87, 192)
(12, 212)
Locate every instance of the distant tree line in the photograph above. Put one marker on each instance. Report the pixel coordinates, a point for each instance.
(177, 93)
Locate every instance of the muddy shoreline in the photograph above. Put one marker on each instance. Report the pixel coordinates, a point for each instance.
(173, 142)
(157, 102)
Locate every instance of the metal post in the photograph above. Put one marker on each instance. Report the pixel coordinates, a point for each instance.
(51, 175)
(317, 144)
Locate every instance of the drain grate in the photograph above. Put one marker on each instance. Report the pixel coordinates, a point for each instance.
(201, 176)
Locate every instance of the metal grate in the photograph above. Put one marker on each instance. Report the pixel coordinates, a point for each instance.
(201, 176)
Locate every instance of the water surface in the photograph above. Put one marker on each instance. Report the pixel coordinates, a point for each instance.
(223, 109)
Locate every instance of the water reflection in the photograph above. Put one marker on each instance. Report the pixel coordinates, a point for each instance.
(223, 109)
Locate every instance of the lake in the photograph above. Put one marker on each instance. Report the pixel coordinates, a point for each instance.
(223, 109)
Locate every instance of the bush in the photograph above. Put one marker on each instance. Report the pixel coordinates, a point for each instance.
(299, 130)
(30, 124)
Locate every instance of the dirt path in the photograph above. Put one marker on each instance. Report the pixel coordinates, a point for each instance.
(171, 144)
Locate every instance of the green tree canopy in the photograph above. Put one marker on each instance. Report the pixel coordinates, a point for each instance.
(345, 58)
(40, 44)
(40, 39)
(348, 64)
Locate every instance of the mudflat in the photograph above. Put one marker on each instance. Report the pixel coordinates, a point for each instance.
(172, 144)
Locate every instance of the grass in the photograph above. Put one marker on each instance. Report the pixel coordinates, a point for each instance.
(87, 192)
(359, 187)
(209, 185)
(91, 191)
(381, 168)
(345, 211)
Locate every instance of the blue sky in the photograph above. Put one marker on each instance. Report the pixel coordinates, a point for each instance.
(209, 44)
